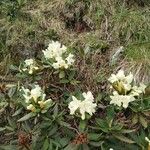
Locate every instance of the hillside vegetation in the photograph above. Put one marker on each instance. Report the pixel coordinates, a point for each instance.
(102, 37)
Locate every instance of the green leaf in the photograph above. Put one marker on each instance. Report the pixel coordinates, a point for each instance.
(45, 124)
(11, 92)
(65, 124)
(56, 110)
(63, 141)
(127, 131)
(2, 129)
(13, 68)
(64, 81)
(8, 147)
(50, 145)
(56, 143)
(135, 119)
(17, 112)
(9, 128)
(11, 122)
(46, 145)
(71, 75)
(85, 147)
(117, 127)
(82, 125)
(123, 138)
(110, 115)
(143, 121)
(69, 132)
(74, 82)
(71, 147)
(103, 125)
(94, 136)
(53, 130)
(27, 116)
(61, 74)
(96, 144)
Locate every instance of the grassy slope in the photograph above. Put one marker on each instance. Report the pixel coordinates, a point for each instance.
(28, 26)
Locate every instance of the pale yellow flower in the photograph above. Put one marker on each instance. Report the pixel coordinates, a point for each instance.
(60, 63)
(136, 91)
(44, 103)
(121, 100)
(85, 106)
(31, 107)
(122, 81)
(30, 66)
(74, 105)
(88, 96)
(70, 59)
(55, 49)
(36, 93)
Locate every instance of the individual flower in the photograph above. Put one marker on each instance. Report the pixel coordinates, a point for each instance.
(125, 92)
(121, 82)
(44, 103)
(136, 91)
(88, 96)
(29, 62)
(30, 66)
(60, 63)
(121, 100)
(70, 60)
(58, 56)
(31, 107)
(142, 87)
(26, 94)
(36, 92)
(87, 106)
(35, 99)
(120, 76)
(55, 49)
(74, 105)
(83, 107)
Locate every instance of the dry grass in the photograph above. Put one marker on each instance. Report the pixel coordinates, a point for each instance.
(111, 24)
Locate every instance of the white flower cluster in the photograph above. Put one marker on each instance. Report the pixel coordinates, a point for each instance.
(30, 66)
(57, 53)
(125, 92)
(35, 99)
(85, 106)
